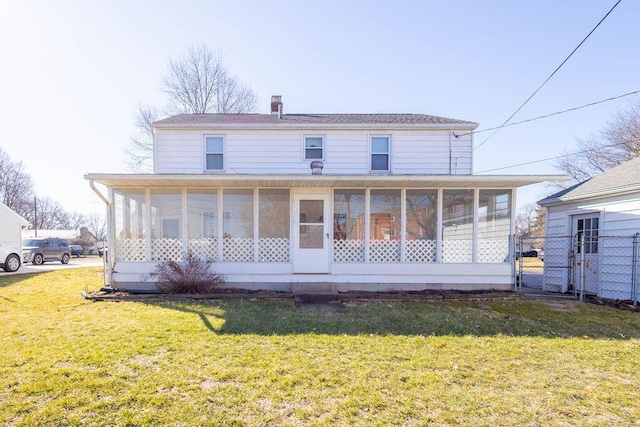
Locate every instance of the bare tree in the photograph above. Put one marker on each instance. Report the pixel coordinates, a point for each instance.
(16, 186)
(97, 225)
(616, 143)
(50, 214)
(197, 82)
(139, 151)
(530, 221)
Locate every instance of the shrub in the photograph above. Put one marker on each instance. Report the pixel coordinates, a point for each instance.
(191, 276)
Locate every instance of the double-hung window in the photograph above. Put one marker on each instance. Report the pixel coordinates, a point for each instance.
(380, 148)
(214, 153)
(313, 148)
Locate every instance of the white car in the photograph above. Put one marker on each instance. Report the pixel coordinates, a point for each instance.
(9, 258)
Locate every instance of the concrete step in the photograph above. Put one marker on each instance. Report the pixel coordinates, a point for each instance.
(315, 293)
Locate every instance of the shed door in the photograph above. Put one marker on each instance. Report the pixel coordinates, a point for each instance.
(311, 234)
(587, 225)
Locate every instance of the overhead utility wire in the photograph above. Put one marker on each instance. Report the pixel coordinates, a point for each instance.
(553, 158)
(568, 110)
(548, 78)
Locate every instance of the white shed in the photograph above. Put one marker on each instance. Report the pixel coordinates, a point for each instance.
(11, 225)
(606, 210)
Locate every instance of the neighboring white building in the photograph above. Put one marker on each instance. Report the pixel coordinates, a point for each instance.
(11, 226)
(366, 201)
(606, 210)
(69, 234)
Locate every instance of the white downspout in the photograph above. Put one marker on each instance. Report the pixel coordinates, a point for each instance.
(106, 271)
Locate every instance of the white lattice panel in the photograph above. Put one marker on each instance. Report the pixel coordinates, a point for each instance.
(457, 251)
(348, 250)
(206, 249)
(493, 251)
(166, 250)
(421, 251)
(131, 250)
(384, 251)
(273, 249)
(238, 249)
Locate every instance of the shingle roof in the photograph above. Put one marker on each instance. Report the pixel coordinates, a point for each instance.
(621, 179)
(304, 119)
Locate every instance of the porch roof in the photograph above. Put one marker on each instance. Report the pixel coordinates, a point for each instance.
(317, 181)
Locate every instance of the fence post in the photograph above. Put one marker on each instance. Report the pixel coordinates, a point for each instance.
(520, 263)
(582, 270)
(634, 270)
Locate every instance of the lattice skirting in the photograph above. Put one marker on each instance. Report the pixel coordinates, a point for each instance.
(421, 251)
(273, 250)
(384, 251)
(348, 250)
(457, 251)
(131, 250)
(493, 251)
(237, 249)
(166, 250)
(206, 249)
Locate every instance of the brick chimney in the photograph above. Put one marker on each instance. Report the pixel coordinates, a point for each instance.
(276, 105)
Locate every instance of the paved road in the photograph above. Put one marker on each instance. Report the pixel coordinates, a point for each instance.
(88, 261)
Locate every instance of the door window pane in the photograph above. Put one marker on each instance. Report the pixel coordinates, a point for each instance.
(311, 224)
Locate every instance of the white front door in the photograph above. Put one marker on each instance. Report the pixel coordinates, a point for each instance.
(311, 233)
(587, 226)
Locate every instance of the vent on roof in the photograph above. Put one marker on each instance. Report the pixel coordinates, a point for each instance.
(276, 105)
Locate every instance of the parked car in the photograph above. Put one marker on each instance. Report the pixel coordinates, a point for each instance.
(528, 254)
(38, 251)
(103, 250)
(9, 258)
(76, 250)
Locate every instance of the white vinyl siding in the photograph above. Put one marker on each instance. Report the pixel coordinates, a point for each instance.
(282, 152)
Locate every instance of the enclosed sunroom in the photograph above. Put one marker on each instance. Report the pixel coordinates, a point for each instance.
(360, 232)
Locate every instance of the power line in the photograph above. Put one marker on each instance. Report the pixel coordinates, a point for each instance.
(554, 158)
(550, 76)
(568, 110)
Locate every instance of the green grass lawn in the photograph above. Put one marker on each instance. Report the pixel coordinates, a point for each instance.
(69, 361)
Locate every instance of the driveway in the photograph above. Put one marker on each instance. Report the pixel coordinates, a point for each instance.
(88, 261)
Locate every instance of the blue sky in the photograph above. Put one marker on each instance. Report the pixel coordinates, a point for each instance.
(73, 72)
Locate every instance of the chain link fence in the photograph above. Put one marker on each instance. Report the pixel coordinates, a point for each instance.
(604, 266)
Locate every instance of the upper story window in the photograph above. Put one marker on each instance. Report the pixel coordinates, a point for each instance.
(313, 147)
(214, 153)
(380, 148)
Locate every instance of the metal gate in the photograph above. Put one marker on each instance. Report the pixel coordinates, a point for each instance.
(582, 264)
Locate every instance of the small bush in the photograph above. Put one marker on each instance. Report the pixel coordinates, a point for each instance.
(191, 276)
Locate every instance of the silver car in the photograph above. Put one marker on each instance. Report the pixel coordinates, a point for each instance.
(39, 251)
(9, 258)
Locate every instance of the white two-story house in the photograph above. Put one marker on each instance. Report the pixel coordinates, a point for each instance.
(365, 201)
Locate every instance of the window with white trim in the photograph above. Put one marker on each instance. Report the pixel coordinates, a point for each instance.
(380, 148)
(313, 147)
(214, 153)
